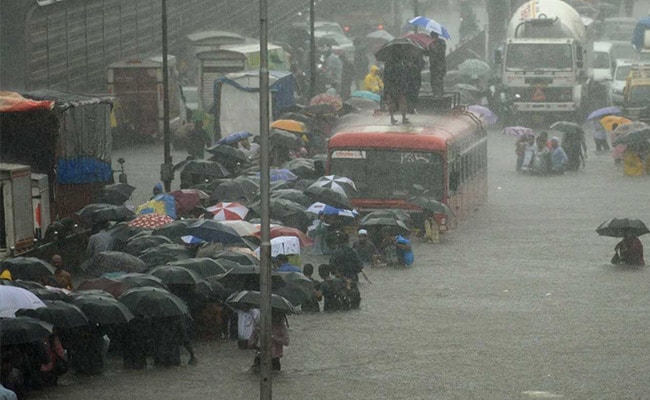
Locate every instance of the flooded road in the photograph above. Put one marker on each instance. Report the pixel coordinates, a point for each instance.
(519, 302)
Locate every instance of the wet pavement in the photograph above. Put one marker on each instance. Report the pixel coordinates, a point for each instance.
(519, 302)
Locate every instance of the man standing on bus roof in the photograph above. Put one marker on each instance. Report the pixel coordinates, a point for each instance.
(437, 64)
(198, 138)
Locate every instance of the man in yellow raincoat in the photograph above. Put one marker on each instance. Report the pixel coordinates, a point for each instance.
(373, 82)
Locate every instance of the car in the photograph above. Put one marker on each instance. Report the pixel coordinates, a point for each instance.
(617, 84)
(603, 58)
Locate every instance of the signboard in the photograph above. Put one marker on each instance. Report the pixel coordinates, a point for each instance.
(351, 154)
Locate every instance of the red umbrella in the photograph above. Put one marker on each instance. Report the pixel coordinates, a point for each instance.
(228, 211)
(188, 199)
(288, 231)
(422, 39)
(151, 221)
(325, 98)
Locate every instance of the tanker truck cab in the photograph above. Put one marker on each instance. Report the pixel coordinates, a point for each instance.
(542, 62)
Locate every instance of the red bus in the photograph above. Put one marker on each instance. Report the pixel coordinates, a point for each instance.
(446, 154)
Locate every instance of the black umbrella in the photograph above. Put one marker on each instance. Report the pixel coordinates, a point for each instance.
(29, 285)
(122, 232)
(176, 275)
(432, 205)
(241, 189)
(393, 214)
(105, 310)
(112, 261)
(633, 137)
(297, 196)
(155, 303)
(203, 266)
(293, 286)
(27, 268)
(567, 127)
(237, 257)
(47, 294)
(303, 167)
(88, 292)
(164, 253)
(228, 156)
(175, 230)
(290, 213)
(620, 227)
(281, 138)
(116, 193)
(242, 277)
(253, 298)
(136, 279)
(22, 330)
(97, 213)
(58, 313)
(394, 224)
(214, 231)
(137, 245)
(400, 48)
(328, 196)
(219, 290)
(205, 168)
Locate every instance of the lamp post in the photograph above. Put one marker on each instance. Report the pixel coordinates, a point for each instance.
(265, 245)
(166, 170)
(312, 50)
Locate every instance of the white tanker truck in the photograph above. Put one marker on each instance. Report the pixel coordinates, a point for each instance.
(541, 62)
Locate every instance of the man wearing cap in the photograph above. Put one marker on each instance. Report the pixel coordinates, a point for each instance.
(282, 261)
(365, 248)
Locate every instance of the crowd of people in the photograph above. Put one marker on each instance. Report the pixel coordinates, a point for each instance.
(543, 156)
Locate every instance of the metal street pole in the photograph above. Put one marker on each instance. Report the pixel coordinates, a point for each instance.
(265, 245)
(312, 50)
(166, 172)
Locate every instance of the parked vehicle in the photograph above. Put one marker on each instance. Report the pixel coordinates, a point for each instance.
(542, 59)
(603, 58)
(616, 86)
(138, 84)
(17, 228)
(636, 99)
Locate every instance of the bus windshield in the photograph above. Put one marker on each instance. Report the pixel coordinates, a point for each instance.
(390, 174)
(639, 95)
(539, 56)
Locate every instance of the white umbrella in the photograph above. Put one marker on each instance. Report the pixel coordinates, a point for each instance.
(14, 298)
(338, 184)
(283, 245)
(244, 228)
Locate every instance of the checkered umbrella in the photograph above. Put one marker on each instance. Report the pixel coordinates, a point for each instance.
(228, 211)
(337, 183)
(151, 221)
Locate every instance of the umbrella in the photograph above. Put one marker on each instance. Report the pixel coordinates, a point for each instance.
(240, 258)
(290, 125)
(337, 183)
(97, 213)
(296, 116)
(602, 112)
(242, 277)
(432, 205)
(235, 137)
(325, 98)
(277, 231)
(570, 128)
(609, 121)
(58, 313)
(188, 199)
(175, 230)
(252, 298)
(518, 131)
(111, 286)
(294, 195)
(204, 266)
(24, 284)
(475, 69)
(150, 221)
(122, 233)
(228, 211)
(394, 224)
(89, 292)
(304, 168)
(135, 279)
(243, 228)
(399, 49)
(485, 113)
(294, 286)
(22, 330)
(176, 275)
(112, 261)
(320, 110)
(284, 245)
(290, 213)
(163, 204)
(138, 244)
(634, 126)
(282, 175)
(361, 104)
(164, 253)
(328, 196)
(116, 193)
(117, 285)
(238, 189)
(339, 212)
(422, 39)
(431, 26)
(366, 95)
(619, 227)
(213, 231)
(14, 298)
(231, 158)
(49, 293)
(393, 214)
(280, 138)
(153, 302)
(27, 268)
(204, 168)
(105, 310)
(633, 136)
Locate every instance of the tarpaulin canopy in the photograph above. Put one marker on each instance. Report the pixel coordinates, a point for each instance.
(14, 102)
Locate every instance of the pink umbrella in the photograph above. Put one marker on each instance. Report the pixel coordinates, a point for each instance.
(326, 98)
(151, 221)
(228, 211)
(188, 199)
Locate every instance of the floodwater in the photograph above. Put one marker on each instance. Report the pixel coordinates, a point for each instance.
(519, 302)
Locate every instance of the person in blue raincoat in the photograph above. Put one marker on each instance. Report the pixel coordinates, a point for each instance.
(405, 254)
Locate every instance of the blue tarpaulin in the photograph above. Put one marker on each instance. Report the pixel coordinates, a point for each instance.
(639, 32)
(82, 170)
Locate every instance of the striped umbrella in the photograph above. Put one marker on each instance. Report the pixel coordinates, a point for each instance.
(228, 211)
(337, 183)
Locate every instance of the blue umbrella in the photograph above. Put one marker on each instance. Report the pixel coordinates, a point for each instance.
(364, 94)
(329, 210)
(485, 113)
(213, 231)
(235, 137)
(281, 175)
(431, 26)
(602, 112)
